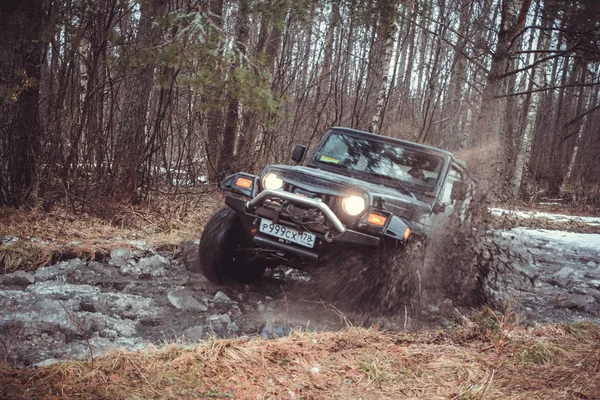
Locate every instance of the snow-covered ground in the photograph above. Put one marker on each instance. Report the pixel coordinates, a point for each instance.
(593, 221)
(558, 239)
(557, 274)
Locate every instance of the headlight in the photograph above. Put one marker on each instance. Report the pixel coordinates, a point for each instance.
(353, 205)
(272, 181)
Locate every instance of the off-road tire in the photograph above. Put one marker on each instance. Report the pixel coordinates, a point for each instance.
(220, 260)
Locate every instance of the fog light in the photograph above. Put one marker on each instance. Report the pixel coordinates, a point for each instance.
(244, 183)
(376, 219)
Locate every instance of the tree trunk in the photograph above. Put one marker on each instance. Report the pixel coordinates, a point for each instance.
(387, 29)
(578, 125)
(530, 115)
(227, 163)
(488, 135)
(135, 106)
(21, 57)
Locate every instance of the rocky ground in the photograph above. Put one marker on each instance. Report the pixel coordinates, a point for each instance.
(139, 297)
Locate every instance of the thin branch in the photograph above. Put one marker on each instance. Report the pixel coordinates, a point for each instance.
(467, 56)
(537, 51)
(575, 119)
(460, 35)
(558, 29)
(550, 88)
(541, 60)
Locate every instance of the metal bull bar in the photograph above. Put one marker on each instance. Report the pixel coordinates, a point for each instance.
(317, 203)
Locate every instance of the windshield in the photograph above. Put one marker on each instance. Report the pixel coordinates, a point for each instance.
(392, 164)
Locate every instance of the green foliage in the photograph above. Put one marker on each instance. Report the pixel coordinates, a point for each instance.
(217, 69)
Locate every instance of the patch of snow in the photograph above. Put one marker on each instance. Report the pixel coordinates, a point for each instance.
(561, 238)
(8, 240)
(592, 221)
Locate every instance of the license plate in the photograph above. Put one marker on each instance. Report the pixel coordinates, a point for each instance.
(302, 238)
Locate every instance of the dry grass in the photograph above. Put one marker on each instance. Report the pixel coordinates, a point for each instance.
(542, 353)
(46, 237)
(350, 364)
(511, 221)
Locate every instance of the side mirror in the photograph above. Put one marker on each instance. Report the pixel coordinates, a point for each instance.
(459, 191)
(298, 153)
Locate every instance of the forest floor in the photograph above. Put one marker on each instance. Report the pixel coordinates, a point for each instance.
(75, 288)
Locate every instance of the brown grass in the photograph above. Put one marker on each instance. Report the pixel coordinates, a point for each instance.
(46, 237)
(350, 364)
(511, 221)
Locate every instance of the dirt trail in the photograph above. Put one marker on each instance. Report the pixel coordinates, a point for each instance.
(140, 297)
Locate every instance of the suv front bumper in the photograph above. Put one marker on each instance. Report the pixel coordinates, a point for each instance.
(343, 236)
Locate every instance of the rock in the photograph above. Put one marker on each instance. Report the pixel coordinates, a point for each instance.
(120, 256)
(183, 300)
(219, 318)
(594, 283)
(75, 263)
(97, 266)
(232, 327)
(594, 274)
(194, 334)
(149, 267)
(219, 324)
(595, 294)
(222, 298)
(190, 256)
(129, 315)
(573, 301)
(62, 291)
(19, 278)
(261, 307)
(579, 290)
(563, 277)
(273, 330)
(47, 362)
(87, 306)
(154, 262)
(591, 264)
(433, 308)
(140, 244)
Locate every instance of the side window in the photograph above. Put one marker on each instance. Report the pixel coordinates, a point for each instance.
(453, 176)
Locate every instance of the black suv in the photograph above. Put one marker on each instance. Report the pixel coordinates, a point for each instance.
(357, 192)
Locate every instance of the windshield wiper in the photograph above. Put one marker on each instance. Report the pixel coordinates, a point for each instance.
(398, 183)
(347, 171)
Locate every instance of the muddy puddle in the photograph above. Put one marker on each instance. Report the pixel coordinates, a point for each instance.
(140, 298)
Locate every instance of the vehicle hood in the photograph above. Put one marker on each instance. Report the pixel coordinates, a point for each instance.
(329, 183)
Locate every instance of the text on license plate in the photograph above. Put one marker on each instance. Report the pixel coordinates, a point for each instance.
(303, 238)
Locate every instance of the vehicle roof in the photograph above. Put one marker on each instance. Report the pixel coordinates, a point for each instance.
(393, 140)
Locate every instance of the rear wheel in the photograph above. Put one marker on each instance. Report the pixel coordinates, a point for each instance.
(222, 255)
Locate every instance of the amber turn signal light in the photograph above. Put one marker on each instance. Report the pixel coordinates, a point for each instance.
(376, 219)
(406, 233)
(244, 183)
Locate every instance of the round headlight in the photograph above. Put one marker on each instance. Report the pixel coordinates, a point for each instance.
(353, 205)
(272, 181)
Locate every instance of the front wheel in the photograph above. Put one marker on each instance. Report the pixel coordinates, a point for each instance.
(222, 255)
